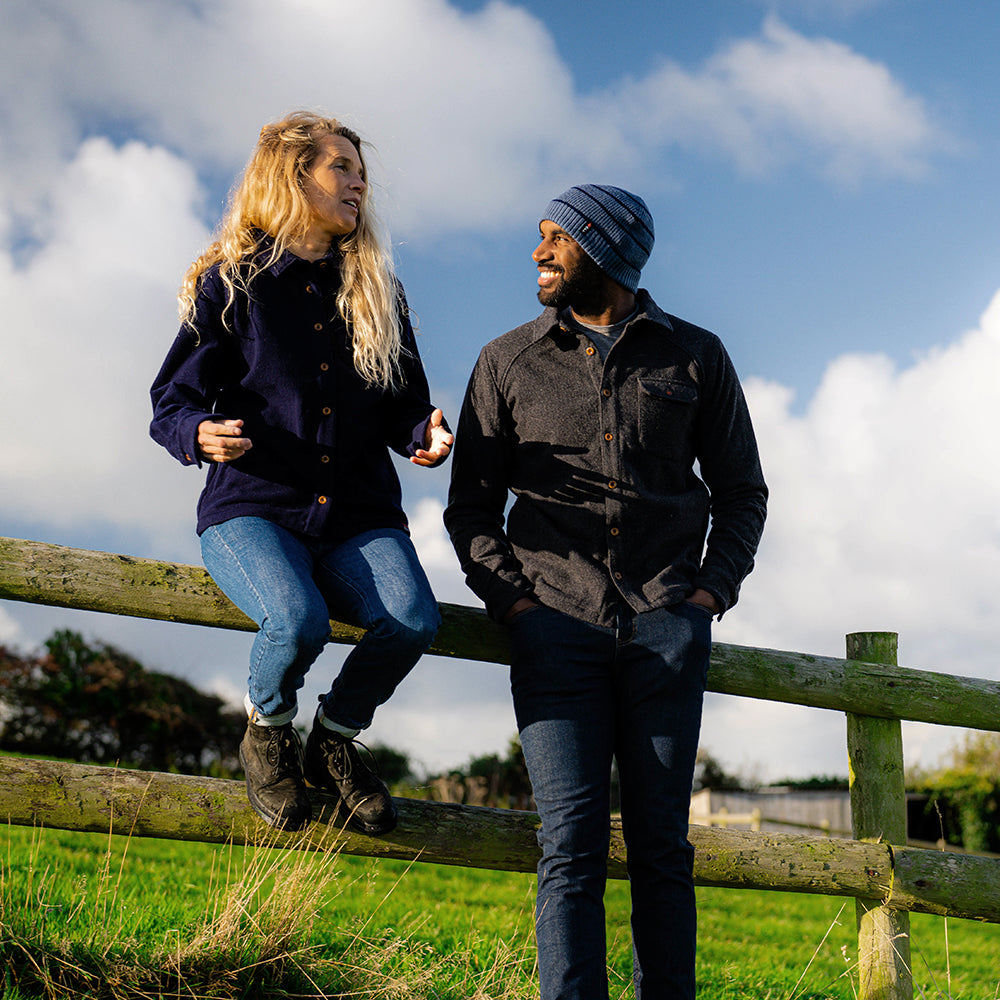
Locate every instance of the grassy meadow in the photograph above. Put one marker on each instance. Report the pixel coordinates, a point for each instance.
(84, 915)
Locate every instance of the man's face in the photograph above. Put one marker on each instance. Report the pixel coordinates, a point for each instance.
(567, 276)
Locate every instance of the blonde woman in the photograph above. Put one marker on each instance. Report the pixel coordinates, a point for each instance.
(294, 373)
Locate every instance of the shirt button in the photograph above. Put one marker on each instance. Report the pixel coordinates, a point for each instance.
(320, 499)
(590, 350)
(613, 484)
(614, 531)
(317, 326)
(324, 459)
(609, 437)
(327, 411)
(618, 576)
(606, 392)
(324, 367)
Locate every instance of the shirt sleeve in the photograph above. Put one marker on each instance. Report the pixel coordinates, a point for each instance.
(730, 466)
(477, 499)
(409, 407)
(185, 388)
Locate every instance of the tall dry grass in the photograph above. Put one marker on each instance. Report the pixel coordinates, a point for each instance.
(257, 938)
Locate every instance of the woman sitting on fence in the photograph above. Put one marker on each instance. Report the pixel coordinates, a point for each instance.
(294, 371)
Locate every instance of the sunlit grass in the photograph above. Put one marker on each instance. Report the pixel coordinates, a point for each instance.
(106, 917)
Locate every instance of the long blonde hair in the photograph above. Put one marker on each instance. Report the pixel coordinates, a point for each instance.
(269, 199)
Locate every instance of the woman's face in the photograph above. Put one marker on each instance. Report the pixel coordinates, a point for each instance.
(333, 186)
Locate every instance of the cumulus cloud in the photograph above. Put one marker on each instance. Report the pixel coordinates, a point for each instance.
(489, 114)
(884, 516)
(436, 553)
(883, 511)
(885, 499)
(87, 322)
(784, 97)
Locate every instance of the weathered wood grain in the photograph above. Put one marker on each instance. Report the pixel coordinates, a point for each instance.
(180, 807)
(40, 573)
(878, 815)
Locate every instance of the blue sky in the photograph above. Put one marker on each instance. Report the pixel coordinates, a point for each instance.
(823, 180)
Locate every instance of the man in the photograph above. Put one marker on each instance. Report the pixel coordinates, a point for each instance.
(593, 416)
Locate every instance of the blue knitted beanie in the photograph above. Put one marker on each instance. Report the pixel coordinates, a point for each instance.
(612, 226)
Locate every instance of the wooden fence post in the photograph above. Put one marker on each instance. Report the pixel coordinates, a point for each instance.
(878, 814)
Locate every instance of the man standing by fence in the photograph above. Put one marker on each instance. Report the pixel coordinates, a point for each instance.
(594, 416)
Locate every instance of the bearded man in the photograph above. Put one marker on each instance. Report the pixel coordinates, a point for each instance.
(624, 436)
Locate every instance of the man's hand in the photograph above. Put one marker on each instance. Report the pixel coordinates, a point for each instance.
(222, 442)
(437, 442)
(705, 600)
(521, 604)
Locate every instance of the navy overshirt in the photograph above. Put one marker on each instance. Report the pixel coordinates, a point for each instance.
(320, 463)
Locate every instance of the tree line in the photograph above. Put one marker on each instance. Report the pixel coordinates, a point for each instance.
(91, 702)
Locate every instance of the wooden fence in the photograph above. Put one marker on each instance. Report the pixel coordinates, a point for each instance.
(886, 878)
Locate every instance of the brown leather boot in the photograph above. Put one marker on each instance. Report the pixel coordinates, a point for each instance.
(272, 761)
(334, 764)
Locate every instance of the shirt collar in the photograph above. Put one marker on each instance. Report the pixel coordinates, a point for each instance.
(645, 309)
(288, 259)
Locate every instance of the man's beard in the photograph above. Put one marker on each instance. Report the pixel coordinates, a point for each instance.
(581, 288)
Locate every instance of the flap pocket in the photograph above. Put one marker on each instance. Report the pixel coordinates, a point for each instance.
(680, 392)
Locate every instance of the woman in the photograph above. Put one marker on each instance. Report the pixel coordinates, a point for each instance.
(294, 371)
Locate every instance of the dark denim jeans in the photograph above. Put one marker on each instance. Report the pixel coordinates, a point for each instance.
(583, 694)
(291, 587)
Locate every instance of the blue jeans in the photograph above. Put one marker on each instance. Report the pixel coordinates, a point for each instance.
(582, 695)
(291, 587)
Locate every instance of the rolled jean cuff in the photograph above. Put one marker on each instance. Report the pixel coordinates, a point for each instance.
(333, 726)
(255, 715)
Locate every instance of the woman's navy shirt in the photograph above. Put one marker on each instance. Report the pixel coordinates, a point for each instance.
(283, 363)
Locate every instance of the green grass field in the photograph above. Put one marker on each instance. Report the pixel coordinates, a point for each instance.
(83, 915)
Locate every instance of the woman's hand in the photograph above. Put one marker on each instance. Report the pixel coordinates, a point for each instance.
(437, 442)
(222, 442)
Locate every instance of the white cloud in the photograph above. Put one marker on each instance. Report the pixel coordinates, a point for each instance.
(436, 553)
(884, 516)
(11, 633)
(476, 116)
(884, 500)
(782, 98)
(87, 322)
(884, 513)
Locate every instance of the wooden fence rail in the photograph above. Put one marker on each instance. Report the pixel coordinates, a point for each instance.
(886, 878)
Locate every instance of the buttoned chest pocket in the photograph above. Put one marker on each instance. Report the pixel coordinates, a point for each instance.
(667, 410)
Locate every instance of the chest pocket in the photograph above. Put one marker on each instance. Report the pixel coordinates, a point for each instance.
(667, 410)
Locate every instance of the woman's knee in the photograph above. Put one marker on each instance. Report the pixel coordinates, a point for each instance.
(302, 629)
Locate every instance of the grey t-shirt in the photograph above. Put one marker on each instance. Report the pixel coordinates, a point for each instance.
(603, 337)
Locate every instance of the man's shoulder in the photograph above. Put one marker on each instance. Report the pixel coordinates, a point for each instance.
(508, 345)
(690, 336)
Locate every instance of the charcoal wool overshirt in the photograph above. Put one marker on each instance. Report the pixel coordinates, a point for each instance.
(320, 463)
(601, 460)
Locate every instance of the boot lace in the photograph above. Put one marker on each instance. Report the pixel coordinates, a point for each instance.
(284, 752)
(346, 765)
